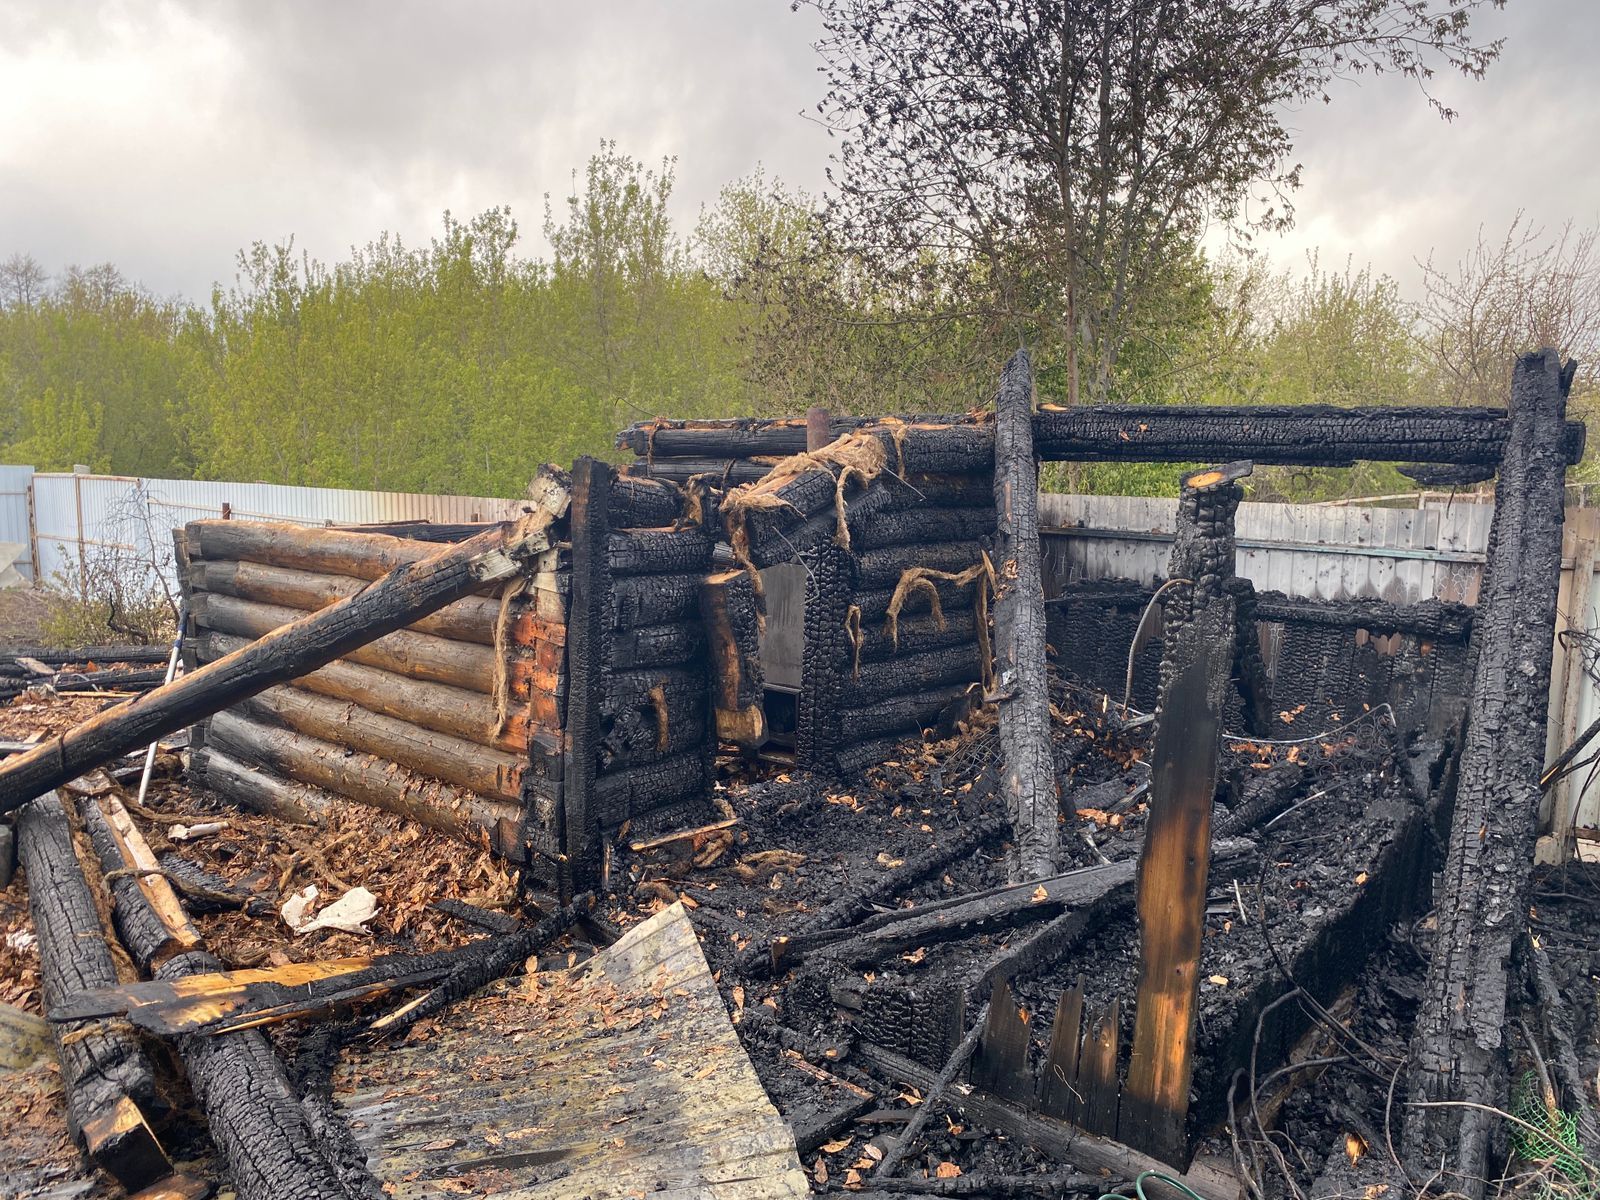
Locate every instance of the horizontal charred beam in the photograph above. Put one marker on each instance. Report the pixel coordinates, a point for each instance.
(1430, 618)
(644, 503)
(723, 472)
(657, 551)
(920, 633)
(619, 795)
(742, 437)
(954, 599)
(914, 672)
(638, 600)
(1283, 435)
(1286, 435)
(894, 714)
(883, 568)
(926, 523)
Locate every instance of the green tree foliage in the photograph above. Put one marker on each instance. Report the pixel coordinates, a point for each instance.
(460, 365)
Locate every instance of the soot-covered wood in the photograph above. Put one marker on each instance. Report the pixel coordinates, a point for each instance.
(255, 1117)
(1481, 896)
(104, 1069)
(825, 661)
(1028, 777)
(410, 591)
(588, 649)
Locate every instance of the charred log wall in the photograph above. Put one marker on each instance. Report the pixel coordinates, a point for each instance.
(1331, 657)
(896, 624)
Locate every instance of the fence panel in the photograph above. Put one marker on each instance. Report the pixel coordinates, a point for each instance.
(82, 522)
(16, 524)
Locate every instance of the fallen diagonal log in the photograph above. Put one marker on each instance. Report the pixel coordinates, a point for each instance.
(1028, 776)
(408, 592)
(105, 1073)
(254, 1115)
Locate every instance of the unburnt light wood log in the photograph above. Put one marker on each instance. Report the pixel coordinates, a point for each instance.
(410, 591)
(419, 656)
(1028, 776)
(1459, 1051)
(107, 1078)
(255, 1117)
(467, 715)
(249, 787)
(308, 747)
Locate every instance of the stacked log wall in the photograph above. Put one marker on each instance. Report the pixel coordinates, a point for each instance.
(891, 677)
(438, 721)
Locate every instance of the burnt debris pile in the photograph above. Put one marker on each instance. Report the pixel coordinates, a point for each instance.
(1009, 884)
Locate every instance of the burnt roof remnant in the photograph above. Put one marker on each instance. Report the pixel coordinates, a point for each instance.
(1095, 864)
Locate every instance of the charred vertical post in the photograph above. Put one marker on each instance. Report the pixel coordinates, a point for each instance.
(1029, 777)
(830, 575)
(588, 651)
(1458, 1056)
(1176, 856)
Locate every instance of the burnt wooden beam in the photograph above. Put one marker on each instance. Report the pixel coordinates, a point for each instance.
(105, 1074)
(408, 592)
(1201, 648)
(1173, 866)
(825, 660)
(1272, 435)
(1436, 619)
(588, 650)
(1459, 1053)
(255, 1117)
(1211, 1178)
(1028, 776)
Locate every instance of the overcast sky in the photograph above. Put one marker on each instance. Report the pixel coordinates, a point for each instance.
(165, 136)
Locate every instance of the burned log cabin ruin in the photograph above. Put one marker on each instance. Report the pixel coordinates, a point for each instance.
(1096, 864)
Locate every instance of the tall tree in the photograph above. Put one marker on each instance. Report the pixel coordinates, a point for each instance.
(1043, 160)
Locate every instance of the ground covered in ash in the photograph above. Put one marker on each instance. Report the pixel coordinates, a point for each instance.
(1335, 818)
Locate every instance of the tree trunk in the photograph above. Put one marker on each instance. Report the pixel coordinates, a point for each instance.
(1028, 778)
(410, 591)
